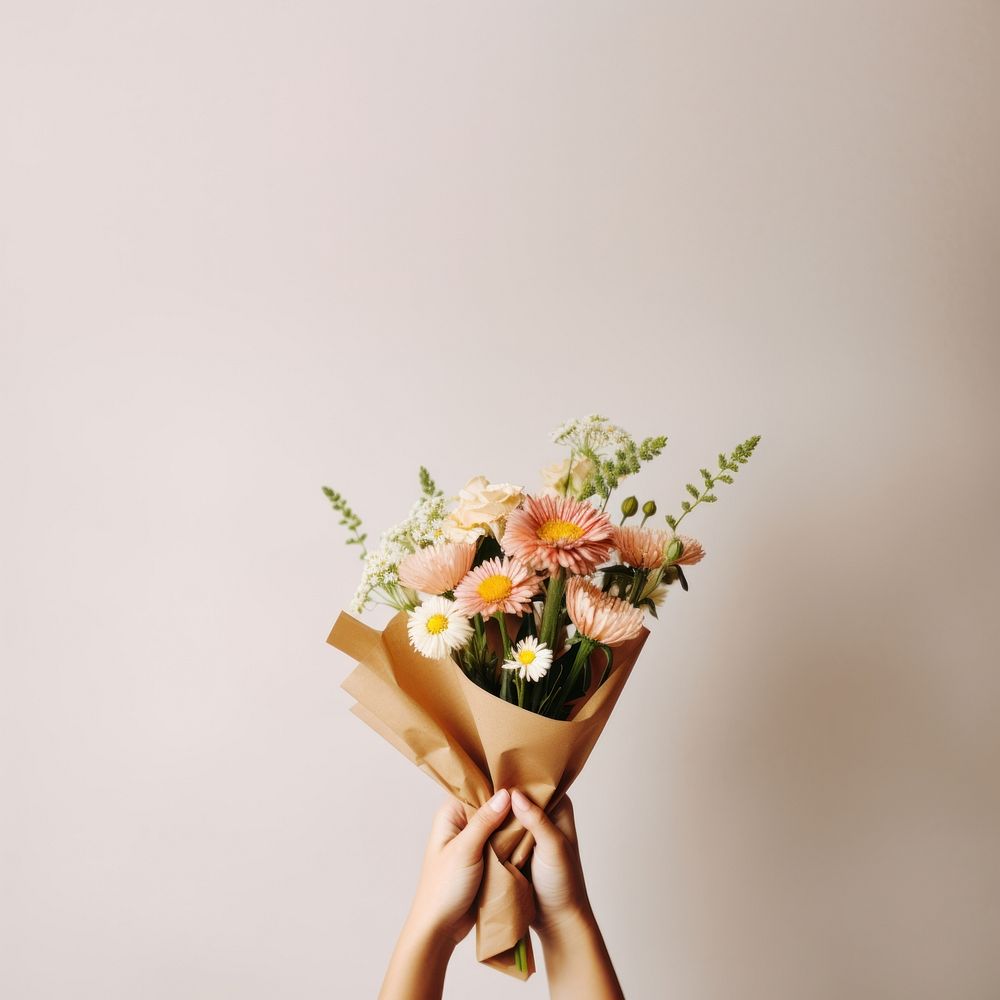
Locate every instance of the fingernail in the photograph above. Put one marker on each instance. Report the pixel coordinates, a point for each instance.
(499, 801)
(519, 800)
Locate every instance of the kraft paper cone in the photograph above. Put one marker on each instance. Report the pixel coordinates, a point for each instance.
(471, 743)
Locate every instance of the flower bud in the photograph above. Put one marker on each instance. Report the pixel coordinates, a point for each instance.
(649, 508)
(629, 506)
(674, 549)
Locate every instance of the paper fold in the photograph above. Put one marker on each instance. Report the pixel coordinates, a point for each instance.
(472, 742)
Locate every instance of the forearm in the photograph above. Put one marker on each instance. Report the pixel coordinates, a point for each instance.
(577, 962)
(418, 964)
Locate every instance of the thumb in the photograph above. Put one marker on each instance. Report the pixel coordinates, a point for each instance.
(470, 842)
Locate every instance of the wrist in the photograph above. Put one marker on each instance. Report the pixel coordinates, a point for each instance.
(569, 925)
(426, 937)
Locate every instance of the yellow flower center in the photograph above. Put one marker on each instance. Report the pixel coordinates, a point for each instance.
(495, 588)
(526, 656)
(437, 624)
(556, 530)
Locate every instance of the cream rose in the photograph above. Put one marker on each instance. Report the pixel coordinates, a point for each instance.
(482, 509)
(559, 475)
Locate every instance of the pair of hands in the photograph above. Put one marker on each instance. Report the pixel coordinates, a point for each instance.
(577, 963)
(453, 865)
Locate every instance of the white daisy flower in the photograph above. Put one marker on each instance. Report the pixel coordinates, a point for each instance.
(532, 659)
(437, 629)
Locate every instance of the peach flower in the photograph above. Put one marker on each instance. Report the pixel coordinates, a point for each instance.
(497, 585)
(692, 553)
(599, 616)
(641, 547)
(437, 568)
(549, 533)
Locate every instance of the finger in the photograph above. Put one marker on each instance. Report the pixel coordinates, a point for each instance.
(470, 842)
(449, 821)
(562, 816)
(549, 840)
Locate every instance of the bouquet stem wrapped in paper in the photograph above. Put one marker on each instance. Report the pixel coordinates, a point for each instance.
(519, 620)
(472, 743)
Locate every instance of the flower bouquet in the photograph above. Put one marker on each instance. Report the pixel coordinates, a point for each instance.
(519, 618)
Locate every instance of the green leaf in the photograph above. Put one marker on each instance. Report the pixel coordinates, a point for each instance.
(427, 485)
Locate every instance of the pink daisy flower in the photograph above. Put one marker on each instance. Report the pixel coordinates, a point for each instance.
(497, 585)
(693, 551)
(640, 547)
(599, 616)
(437, 568)
(549, 533)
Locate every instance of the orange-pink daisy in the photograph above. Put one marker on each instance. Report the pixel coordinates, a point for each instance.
(599, 616)
(643, 548)
(691, 553)
(437, 568)
(549, 533)
(497, 585)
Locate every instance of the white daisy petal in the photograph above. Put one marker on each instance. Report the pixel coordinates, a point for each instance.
(437, 629)
(530, 658)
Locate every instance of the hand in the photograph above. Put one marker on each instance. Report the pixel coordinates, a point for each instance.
(453, 866)
(577, 962)
(441, 914)
(556, 872)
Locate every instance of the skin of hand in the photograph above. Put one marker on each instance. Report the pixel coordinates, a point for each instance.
(577, 962)
(556, 871)
(453, 865)
(441, 913)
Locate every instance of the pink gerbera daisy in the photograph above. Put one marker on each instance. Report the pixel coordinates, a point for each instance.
(497, 585)
(599, 616)
(691, 553)
(549, 533)
(437, 568)
(643, 548)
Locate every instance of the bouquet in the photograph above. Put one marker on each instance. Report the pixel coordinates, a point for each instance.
(519, 618)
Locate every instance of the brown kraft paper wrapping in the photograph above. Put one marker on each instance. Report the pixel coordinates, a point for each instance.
(471, 743)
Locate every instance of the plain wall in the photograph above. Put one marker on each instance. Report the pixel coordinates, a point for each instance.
(249, 249)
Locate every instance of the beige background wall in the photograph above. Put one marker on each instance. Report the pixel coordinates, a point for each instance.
(248, 249)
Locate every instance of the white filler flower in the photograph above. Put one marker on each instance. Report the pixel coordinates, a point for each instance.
(436, 628)
(532, 659)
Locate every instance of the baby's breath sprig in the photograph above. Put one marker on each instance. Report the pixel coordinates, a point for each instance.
(728, 465)
(427, 485)
(348, 518)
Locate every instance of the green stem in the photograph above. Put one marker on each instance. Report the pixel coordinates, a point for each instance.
(521, 955)
(583, 650)
(709, 486)
(638, 582)
(505, 684)
(552, 608)
(504, 637)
